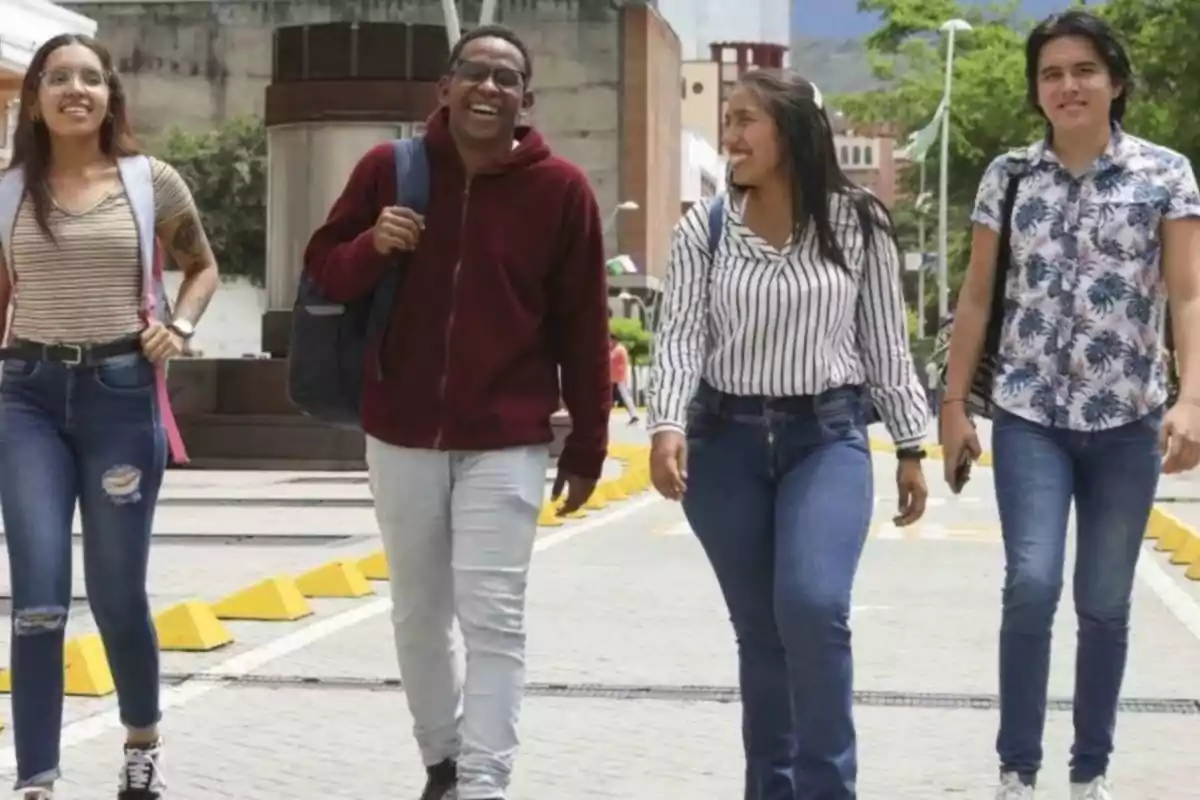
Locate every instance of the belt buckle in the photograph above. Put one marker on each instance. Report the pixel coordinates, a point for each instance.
(77, 359)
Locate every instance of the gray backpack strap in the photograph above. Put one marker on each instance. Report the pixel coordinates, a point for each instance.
(138, 179)
(12, 192)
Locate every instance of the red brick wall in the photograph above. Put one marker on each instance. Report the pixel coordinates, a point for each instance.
(650, 108)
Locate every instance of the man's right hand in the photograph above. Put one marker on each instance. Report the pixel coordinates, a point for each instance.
(397, 229)
(959, 440)
(668, 464)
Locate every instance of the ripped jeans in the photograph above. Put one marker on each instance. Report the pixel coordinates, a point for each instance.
(92, 434)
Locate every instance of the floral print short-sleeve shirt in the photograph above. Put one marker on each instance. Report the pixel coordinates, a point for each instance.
(1081, 346)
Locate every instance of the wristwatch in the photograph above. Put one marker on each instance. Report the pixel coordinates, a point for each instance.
(185, 329)
(910, 453)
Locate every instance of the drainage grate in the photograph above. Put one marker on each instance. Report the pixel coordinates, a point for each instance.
(703, 694)
(340, 480)
(252, 539)
(268, 502)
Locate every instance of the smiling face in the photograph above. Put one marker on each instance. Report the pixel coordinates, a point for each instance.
(751, 138)
(486, 91)
(1074, 87)
(73, 92)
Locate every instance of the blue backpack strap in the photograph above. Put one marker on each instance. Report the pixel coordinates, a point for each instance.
(412, 191)
(12, 192)
(412, 174)
(716, 223)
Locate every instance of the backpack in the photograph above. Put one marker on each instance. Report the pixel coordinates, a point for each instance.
(716, 230)
(327, 358)
(138, 180)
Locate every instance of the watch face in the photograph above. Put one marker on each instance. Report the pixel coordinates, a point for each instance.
(183, 328)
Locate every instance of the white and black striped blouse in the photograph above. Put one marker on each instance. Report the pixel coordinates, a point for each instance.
(754, 320)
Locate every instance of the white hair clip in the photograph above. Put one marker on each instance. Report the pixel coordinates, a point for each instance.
(817, 98)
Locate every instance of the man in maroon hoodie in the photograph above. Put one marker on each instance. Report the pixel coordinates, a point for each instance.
(504, 288)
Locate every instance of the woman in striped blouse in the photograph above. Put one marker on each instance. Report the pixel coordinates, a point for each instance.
(781, 331)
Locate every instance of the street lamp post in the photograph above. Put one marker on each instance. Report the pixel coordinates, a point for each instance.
(950, 28)
(625, 205)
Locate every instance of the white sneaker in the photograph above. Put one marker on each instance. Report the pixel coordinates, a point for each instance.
(142, 773)
(37, 793)
(1011, 788)
(1096, 790)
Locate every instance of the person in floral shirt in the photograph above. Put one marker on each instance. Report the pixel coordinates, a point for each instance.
(1105, 228)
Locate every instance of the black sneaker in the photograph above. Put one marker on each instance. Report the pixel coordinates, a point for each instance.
(142, 775)
(442, 779)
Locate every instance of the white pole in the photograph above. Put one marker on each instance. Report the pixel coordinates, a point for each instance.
(450, 15)
(943, 188)
(487, 14)
(921, 248)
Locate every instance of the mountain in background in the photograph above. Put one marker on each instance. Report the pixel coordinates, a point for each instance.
(826, 43)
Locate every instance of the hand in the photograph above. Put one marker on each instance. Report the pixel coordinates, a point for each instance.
(1180, 438)
(397, 229)
(668, 464)
(160, 343)
(959, 441)
(579, 489)
(912, 491)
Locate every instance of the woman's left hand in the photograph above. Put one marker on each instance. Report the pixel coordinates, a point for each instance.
(160, 343)
(912, 491)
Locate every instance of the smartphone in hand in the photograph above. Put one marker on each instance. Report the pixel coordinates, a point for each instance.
(962, 473)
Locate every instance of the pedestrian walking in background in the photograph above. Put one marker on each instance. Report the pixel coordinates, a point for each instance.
(772, 350)
(619, 362)
(1079, 242)
(84, 415)
(504, 286)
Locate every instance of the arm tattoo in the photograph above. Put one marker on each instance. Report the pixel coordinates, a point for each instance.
(188, 242)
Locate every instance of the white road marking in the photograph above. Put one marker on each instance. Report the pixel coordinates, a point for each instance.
(174, 696)
(1177, 600)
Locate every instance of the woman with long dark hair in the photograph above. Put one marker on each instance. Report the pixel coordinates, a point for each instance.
(83, 411)
(782, 329)
(1087, 233)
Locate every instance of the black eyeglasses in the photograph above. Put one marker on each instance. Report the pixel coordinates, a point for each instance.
(478, 72)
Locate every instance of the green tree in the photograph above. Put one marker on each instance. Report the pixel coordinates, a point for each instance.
(989, 111)
(226, 169)
(635, 338)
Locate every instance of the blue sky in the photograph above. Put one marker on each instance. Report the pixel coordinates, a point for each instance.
(841, 19)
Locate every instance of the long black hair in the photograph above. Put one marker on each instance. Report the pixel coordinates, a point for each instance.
(31, 140)
(1085, 25)
(806, 140)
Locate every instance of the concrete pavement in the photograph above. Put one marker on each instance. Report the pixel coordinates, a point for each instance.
(631, 659)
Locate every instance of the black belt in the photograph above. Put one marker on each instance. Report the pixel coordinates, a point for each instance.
(87, 355)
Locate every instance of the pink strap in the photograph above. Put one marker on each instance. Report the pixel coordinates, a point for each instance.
(174, 438)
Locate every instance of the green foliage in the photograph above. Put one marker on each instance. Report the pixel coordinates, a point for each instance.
(226, 169)
(989, 111)
(635, 338)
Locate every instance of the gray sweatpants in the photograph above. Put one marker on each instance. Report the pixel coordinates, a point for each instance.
(458, 529)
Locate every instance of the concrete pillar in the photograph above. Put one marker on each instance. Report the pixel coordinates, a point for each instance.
(336, 90)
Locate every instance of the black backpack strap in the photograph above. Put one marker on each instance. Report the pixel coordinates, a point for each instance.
(1003, 263)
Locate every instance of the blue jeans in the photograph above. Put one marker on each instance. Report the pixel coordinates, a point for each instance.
(1112, 476)
(92, 435)
(780, 496)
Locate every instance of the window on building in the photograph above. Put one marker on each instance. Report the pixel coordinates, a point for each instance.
(683, 88)
(868, 155)
(857, 155)
(845, 155)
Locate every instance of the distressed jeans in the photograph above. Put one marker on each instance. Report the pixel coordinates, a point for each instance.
(780, 495)
(92, 435)
(458, 530)
(1112, 476)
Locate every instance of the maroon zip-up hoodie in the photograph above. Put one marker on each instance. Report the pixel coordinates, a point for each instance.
(506, 289)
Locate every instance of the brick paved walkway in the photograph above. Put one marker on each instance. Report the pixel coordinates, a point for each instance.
(631, 660)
